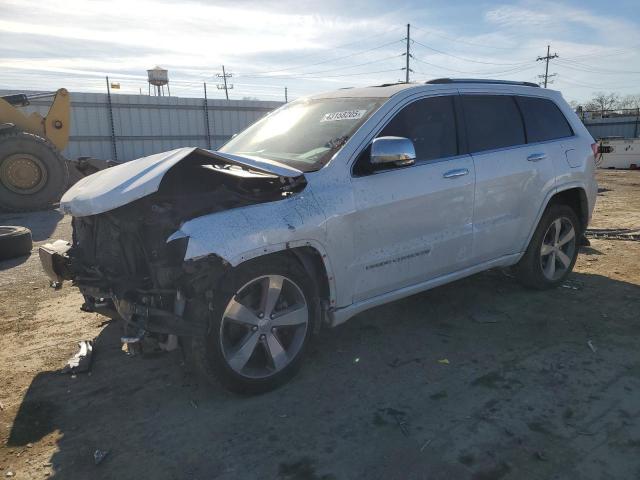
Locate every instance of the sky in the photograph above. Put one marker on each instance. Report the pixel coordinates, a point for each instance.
(314, 46)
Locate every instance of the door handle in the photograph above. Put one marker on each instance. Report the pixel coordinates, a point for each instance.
(536, 157)
(458, 172)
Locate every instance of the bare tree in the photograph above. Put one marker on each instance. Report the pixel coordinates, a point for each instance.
(629, 101)
(602, 101)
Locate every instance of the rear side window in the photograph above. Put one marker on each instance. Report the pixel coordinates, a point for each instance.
(543, 120)
(431, 125)
(493, 121)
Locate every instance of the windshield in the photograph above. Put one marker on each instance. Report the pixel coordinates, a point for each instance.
(304, 134)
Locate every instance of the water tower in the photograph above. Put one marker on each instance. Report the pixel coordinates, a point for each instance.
(158, 77)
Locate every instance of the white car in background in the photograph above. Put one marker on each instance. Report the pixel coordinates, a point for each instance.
(326, 207)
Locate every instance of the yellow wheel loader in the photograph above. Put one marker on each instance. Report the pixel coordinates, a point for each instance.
(33, 172)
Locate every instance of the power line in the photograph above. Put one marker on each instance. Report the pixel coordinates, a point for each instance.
(337, 47)
(335, 59)
(577, 83)
(581, 67)
(463, 58)
(599, 53)
(546, 68)
(302, 74)
(458, 40)
(467, 72)
(348, 74)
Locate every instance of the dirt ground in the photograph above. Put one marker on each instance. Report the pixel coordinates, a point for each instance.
(480, 379)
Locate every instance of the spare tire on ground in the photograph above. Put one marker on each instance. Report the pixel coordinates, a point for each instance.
(33, 174)
(14, 242)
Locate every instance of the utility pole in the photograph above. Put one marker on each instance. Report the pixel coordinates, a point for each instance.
(114, 148)
(224, 77)
(286, 97)
(546, 68)
(408, 54)
(206, 115)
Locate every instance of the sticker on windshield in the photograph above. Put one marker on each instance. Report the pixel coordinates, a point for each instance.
(346, 115)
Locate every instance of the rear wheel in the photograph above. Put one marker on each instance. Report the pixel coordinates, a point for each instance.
(553, 250)
(33, 175)
(260, 329)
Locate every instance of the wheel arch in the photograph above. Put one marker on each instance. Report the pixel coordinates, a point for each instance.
(576, 198)
(573, 195)
(314, 260)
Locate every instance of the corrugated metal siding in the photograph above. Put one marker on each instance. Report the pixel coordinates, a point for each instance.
(144, 125)
(626, 127)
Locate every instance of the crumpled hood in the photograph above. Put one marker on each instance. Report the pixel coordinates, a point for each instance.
(117, 186)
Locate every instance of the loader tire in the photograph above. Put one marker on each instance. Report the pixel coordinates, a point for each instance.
(14, 242)
(33, 174)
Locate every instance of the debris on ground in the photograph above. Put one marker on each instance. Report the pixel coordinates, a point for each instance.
(426, 444)
(100, 455)
(444, 361)
(82, 360)
(541, 456)
(400, 363)
(592, 347)
(489, 316)
(399, 418)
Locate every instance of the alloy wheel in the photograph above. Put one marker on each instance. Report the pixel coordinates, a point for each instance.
(264, 326)
(558, 248)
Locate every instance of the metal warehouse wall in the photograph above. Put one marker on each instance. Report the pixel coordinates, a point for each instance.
(144, 125)
(627, 127)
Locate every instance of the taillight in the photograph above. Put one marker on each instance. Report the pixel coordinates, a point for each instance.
(594, 149)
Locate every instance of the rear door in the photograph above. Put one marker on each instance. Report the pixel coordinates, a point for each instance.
(413, 223)
(512, 178)
(549, 130)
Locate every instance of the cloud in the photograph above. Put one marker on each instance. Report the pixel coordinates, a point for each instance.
(559, 18)
(297, 40)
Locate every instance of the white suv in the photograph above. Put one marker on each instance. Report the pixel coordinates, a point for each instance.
(326, 207)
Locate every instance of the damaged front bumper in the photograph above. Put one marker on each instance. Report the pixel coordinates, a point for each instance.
(166, 311)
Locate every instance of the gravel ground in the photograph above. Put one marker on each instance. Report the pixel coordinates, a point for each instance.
(479, 379)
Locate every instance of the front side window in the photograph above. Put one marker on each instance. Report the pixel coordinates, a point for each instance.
(493, 121)
(430, 124)
(304, 134)
(543, 119)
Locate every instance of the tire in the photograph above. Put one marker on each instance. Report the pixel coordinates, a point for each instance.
(534, 269)
(33, 174)
(217, 360)
(14, 242)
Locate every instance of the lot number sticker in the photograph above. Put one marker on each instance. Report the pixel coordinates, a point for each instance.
(346, 115)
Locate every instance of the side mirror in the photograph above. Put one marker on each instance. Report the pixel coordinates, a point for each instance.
(398, 151)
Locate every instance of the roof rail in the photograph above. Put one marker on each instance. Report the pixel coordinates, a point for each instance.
(481, 80)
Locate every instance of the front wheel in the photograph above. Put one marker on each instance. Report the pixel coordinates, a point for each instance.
(260, 327)
(553, 249)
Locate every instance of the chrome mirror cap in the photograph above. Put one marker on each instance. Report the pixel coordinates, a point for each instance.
(392, 150)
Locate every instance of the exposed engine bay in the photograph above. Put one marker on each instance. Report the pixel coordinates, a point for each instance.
(123, 265)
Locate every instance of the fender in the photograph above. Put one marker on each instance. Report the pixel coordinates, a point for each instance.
(550, 194)
(245, 233)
